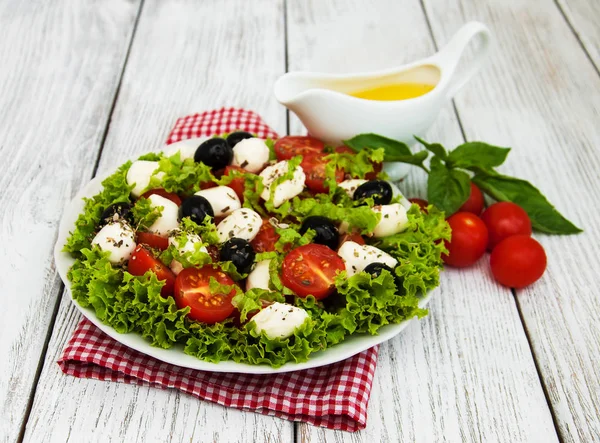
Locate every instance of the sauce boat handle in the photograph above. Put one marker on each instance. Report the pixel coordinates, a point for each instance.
(449, 56)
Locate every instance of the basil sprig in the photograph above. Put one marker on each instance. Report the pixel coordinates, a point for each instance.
(450, 174)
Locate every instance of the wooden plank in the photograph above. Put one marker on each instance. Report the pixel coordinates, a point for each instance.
(187, 56)
(465, 373)
(584, 16)
(61, 64)
(541, 95)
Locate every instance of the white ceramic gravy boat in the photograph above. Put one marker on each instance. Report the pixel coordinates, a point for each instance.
(322, 103)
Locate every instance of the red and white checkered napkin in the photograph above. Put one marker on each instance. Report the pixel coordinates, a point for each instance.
(334, 396)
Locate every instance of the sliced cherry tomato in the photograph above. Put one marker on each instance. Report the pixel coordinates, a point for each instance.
(518, 261)
(475, 202)
(422, 204)
(237, 184)
(503, 220)
(192, 289)
(468, 242)
(290, 146)
(356, 238)
(266, 238)
(314, 167)
(310, 270)
(142, 261)
(168, 195)
(208, 185)
(344, 150)
(376, 166)
(153, 240)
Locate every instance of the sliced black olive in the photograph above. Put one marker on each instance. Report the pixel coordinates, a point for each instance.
(375, 270)
(239, 252)
(379, 190)
(214, 152)
(235, 137)
(117, 211)
(327, 233)
(197, 208)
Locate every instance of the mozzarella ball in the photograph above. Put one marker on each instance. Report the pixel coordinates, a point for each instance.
(139, 173)
(168, 219)
(117, 238)
(279, 320)
(241, 223)
(396, 192)
(393, 220)
(190, 244)
(350, 185)
(286, 190)
(252, 154)
(259, 277)
(223, 200)
(358, 257)
(186, 148)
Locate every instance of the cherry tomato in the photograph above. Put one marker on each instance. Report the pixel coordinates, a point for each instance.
(475, 202)
(290, 146)
(376, 166)
(208, 185)
(153, 240)
(142, 261)
(518, 261)
(310, 270)
(192, 289)
(356, 238)
(422, 204)
(503, 220)
(237, 184)
(168, 195)
(314, 167)
(468, 242)
(266, 238)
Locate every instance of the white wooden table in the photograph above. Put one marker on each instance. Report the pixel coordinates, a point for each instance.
(85, 85)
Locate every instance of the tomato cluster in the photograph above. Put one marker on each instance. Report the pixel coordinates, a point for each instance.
(504, 229)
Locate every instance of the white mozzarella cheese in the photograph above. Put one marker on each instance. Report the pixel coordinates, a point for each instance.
(252, 154)
(117, 238)
(259, 277)
(350, 185)
(223, 200)
(189, 246)
(168, 219)
(241, 223)
(357, 257)
(393, 220)
(279, 320)
(396, 192)
(286, 190)
(139, 173)
(186, 148)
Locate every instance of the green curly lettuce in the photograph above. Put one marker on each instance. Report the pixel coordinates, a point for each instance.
(145, 214)
(180, 176)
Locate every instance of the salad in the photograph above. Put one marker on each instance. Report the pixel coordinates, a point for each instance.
(251, 250)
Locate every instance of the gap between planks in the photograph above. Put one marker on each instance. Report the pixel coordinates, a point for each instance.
(61, 291)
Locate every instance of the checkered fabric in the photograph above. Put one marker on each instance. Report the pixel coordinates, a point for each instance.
(334, 396)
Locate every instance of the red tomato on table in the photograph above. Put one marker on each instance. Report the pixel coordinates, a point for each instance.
(168, 195)
(142, 261)
(518, 261)
(153, 240)
(192, 289)
(468, 242)
(310, 270)
(475, 202)
(505, 219)
(292, 145)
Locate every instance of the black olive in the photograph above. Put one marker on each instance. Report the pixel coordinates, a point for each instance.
(327, 233)
(117, 211)
(214, 152)
(239, 252)
(235, 137)
(197, 208)
(375, 270)
(379, 190)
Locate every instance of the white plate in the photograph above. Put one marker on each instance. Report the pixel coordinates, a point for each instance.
(349, 347)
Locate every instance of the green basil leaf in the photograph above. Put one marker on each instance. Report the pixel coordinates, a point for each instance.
(436, 148)
(394, 150)
(544, 217)
(477, 154)
(447, 188)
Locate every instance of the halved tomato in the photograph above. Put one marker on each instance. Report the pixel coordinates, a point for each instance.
(292, 145)
(142, 261)
(168, 195)
(192, 288)
(237, 184)
(266, 238)
(310, 270)
(314, 167)
(153, 240)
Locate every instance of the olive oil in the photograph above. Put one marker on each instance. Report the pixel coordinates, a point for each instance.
(398, 91)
